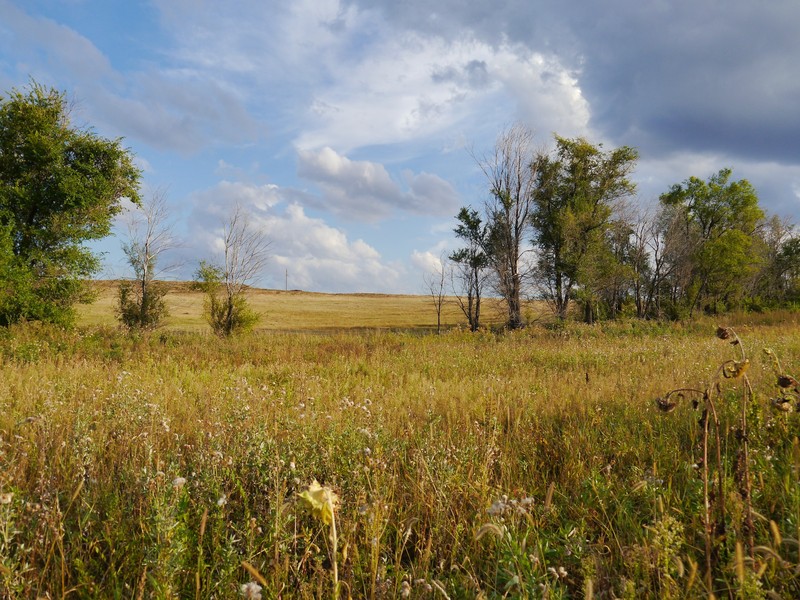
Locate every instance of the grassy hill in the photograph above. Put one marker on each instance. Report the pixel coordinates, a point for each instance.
(300, 311)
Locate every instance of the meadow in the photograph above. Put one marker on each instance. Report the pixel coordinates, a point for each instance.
(527, 464)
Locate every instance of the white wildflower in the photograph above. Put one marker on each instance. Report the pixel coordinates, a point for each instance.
(251, 591)
(178, 482)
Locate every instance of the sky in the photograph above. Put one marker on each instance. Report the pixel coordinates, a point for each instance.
(348, 129)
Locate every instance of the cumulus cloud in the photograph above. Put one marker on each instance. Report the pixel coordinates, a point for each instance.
(426, 261)
(318, 257)
(364, 190)
(411, 87)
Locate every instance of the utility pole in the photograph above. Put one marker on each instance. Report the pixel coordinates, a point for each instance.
(287, 280)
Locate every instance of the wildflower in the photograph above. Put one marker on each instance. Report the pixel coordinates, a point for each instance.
(178, 482)
(223, 500)
(320, 501)
(6, 498)
(497, 508)
(405, 589)
(251, 591)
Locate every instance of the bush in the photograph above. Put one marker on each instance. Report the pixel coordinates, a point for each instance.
(142, 309)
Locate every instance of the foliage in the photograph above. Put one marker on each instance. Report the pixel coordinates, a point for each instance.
(226, 313)
(472, 262)
(573, 205)
(60, 186)
(141, 302)
(244, 255)
(721, 219)
(142, 308)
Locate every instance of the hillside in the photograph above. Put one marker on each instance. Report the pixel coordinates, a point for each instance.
(297, 310)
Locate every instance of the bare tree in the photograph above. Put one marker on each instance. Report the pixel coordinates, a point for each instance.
(244, 255)
(435, 285)
(511, 173)
(150, 235)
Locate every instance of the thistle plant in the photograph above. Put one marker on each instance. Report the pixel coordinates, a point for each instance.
(321, 502)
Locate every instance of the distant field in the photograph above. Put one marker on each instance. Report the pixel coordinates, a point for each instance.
(303, 311)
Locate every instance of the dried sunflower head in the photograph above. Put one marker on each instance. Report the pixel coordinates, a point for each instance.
(723, 333)
(736, 368)
(786, 381)
(781, 404)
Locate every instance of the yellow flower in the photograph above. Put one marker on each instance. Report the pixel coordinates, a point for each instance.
(320, 501)
(734, 369)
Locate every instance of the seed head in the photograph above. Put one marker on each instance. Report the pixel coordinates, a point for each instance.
(251, 591)
(666, 404)
(723, 333)
(782, 404)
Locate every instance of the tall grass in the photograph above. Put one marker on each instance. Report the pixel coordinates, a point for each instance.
(529, 464)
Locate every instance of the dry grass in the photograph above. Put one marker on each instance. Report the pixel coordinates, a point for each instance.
(302, 311)
(526, 464)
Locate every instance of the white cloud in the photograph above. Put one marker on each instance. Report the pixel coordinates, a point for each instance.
(410, 87)
(318, 257)
(364, 190)
(426, 261)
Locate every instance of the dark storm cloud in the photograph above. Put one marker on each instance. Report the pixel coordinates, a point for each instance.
(707, 76)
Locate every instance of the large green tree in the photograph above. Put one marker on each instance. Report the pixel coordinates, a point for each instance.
(573, 200)
(60, 186)
(721, 220)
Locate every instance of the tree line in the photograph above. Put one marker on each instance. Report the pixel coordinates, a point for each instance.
(561, 226)
(564, 227)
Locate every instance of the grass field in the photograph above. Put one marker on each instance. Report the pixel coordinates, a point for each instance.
(532, 464)
(303, 311)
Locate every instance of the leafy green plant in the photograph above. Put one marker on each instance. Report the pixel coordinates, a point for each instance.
(226, 313)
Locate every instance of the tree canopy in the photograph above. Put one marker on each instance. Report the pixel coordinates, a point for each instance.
(573, 204)
(722, 219)
(60, 186)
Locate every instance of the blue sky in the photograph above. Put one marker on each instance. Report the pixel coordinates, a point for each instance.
(347, 127)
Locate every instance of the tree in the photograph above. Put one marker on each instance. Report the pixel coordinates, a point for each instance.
(150, 235)
(471, 264)
(723, 217)
(511, 171)
(244, 256)
(573, 204)
(60, 186)
(435, 285)
(661, 259)
(775, 283)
